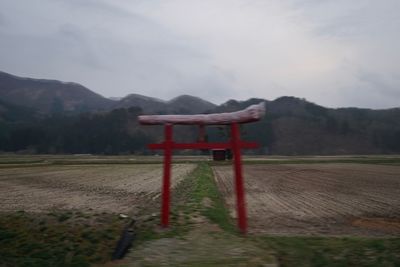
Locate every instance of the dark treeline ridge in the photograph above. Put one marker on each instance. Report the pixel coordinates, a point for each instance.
(114, 132)
(292, 126)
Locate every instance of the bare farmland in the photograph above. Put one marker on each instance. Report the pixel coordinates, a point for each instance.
(97, 188)
(331, 199)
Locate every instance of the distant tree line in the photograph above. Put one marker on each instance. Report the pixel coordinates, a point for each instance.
(291, 127)
(115, 132)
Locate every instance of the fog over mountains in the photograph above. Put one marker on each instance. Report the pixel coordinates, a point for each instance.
(49, 116)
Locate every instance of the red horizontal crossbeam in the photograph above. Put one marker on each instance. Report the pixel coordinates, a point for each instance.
(203, 145)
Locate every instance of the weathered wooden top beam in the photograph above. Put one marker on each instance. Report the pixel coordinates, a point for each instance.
(250, 114)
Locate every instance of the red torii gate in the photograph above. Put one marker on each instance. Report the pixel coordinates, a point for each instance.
(250, 114)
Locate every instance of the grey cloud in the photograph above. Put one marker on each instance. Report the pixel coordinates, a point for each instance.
(96, 6)
(351, 18)
(238, 49)
(379, 84)
(2, 20)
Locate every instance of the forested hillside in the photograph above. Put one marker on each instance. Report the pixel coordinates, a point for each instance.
(291, 126)
(294, 126)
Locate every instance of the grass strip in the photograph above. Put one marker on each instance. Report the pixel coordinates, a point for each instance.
(62, 238)
(206, 188)
(333, 251)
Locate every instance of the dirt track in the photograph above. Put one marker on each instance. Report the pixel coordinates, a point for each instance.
(332, 199)
(97, 188)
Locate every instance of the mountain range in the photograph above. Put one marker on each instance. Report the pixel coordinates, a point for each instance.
(49, 116)
(51, 96)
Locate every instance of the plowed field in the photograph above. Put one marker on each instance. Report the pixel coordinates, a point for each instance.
(98, 188)
(314, 199)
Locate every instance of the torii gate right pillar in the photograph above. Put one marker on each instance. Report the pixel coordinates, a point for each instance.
(239, 184)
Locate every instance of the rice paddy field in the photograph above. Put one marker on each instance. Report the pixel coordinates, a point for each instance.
(318, 199)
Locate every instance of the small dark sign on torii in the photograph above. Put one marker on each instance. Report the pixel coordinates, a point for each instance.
(250, 114)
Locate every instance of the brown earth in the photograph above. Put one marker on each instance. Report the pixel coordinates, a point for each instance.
(106, 188)
(315, 199)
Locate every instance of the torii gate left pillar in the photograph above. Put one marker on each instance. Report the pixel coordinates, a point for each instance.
(165, 205)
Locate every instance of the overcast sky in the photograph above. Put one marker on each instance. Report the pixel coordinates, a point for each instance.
(333, 52)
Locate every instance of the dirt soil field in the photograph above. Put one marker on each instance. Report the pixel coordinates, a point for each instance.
(90, 188)
(315, 199)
